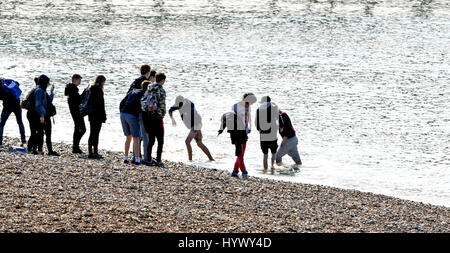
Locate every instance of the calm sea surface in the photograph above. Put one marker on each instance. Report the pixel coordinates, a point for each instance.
(366, 82)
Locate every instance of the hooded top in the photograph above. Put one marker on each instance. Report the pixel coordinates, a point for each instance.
(137, 84)
(286, 125)
(267, 116)
(188, 113)
(73, 98)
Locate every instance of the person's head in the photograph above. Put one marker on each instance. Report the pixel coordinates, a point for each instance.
(160, 78)
(249, 99)
(145, 70)
(266, 99)
(42, 81)
(145, 85)
(76, 79)
(179, 100)
(100, 80)
(152, 77)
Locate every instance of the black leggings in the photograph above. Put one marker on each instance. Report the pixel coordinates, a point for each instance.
(155, 130)
(36, 140)
(93, 137)
(48, 134)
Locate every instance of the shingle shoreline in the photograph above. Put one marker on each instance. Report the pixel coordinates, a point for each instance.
(72, 194)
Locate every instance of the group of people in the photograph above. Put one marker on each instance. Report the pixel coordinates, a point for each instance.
(142, 111)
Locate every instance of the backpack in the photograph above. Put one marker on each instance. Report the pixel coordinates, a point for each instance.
(85, 105)
(28, 103)
(130, 100)
(51, 109)
(149, 102)
(11, 88)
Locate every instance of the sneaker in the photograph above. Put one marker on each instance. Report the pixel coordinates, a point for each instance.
(234, 174)
(136, 163)
(77, 151)
(244, 175)
(159, 164)
(98, 156)
(126, 161)
(53, 153)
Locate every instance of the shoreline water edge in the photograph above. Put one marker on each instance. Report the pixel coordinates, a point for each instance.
(75, 194)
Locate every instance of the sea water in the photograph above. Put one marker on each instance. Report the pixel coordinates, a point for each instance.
(365, 82)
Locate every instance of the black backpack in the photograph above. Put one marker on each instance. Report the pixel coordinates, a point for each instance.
(28, 103)
(85, 106)
(51, 109)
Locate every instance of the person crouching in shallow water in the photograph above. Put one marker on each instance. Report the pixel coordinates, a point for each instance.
(130, 109)
(290, 141)
(36, 115)
(192, 121)
(97, 115)
(238, 126)
(74, 101)
(267, 116)
(153, 105)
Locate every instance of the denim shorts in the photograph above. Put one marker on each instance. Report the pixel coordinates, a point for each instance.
(130, 125)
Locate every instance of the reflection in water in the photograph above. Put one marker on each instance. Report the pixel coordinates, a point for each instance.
(422, 8)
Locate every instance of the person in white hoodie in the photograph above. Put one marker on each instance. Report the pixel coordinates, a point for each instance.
(192, 121)
(267, 116)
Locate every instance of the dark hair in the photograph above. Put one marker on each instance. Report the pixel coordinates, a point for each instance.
(42, 81)
(249, 98)
(152, 73)
(76, 77)
(100, 80)
(145, 85)
(145, 69)
(160, 77)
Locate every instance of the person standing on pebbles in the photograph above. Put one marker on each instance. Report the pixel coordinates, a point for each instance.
(192, 121)
(74, 101)
(238, 126)
(267, 116)
(96, 115)
(36, 115)
(290, 141)
(11, 105)
(153, 105)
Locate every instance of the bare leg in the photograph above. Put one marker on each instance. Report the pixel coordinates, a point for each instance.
(127, 145)
(188, 141)
(136, 144)
(274, 155)
(205, 150)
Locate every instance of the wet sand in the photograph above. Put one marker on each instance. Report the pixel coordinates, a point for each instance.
(73, 194)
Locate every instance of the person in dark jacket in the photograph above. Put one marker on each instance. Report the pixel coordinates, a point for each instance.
(11, 105)
(267, 116)
(145, 75)
(289, 142)
(48, 122)
(36, 115)
(130, 109)
(74, 101)
(96, 116)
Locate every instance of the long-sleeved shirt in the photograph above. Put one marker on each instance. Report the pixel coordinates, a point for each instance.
(98, 112)
(188, 113)
(73, 99)
(286, 125)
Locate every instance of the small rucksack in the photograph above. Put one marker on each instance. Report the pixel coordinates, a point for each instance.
(28, 103)
(10, 88)
(149, 102)
(85, 103)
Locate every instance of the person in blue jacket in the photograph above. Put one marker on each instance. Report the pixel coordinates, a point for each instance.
(36, 116)
(11, 105)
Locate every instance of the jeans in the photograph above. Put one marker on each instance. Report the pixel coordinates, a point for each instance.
(289, 148)
(155, 129)
(6, 112)
(36, 140)
(144, 137)
(48, 134)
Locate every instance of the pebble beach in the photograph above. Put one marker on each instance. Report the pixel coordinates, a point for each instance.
(74, 194)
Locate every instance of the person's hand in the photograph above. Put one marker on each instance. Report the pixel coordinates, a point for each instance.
(283, 142)
(42, 120)
(52, 89)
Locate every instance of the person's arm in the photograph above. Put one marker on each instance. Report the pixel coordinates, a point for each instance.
(162, 103)
(40, 102)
